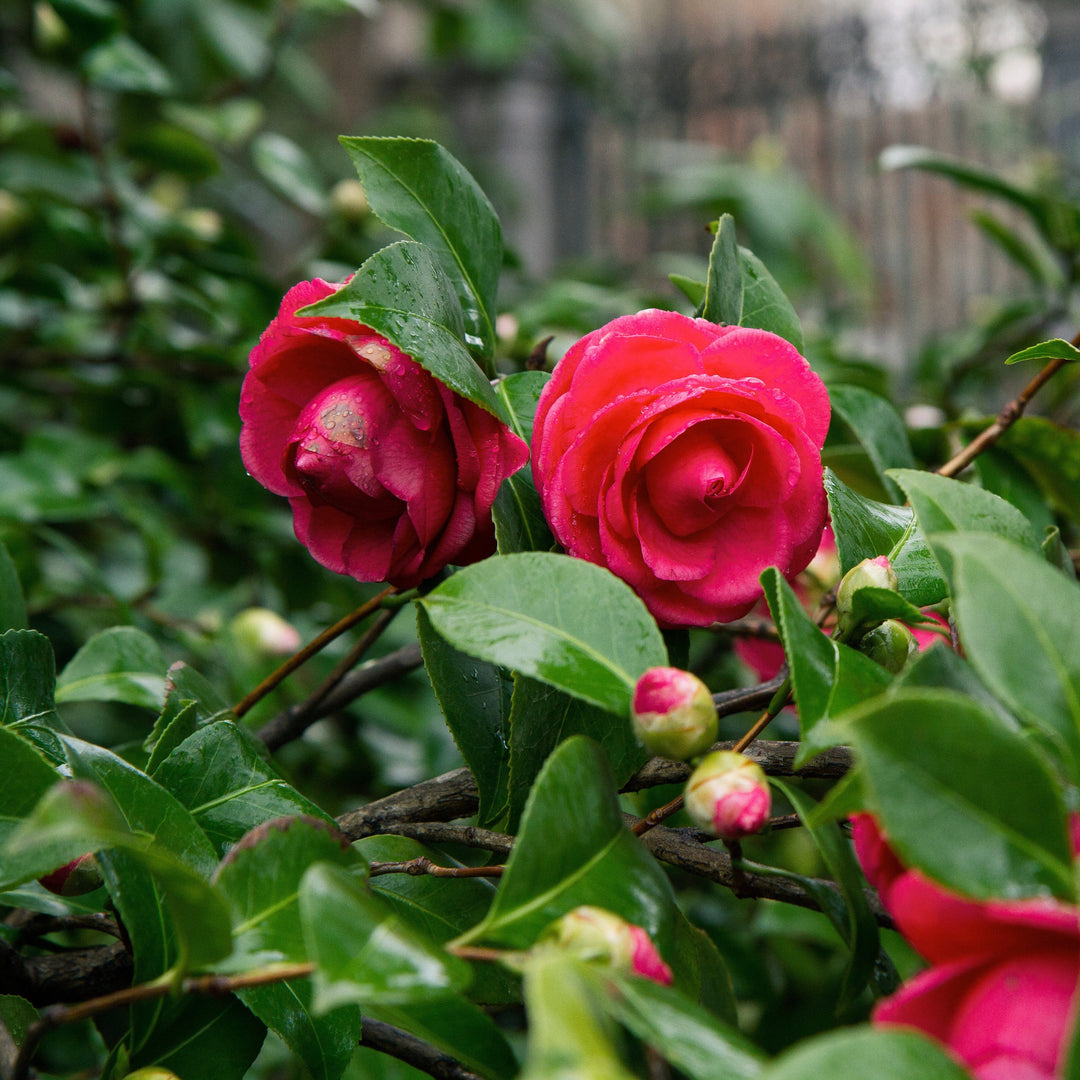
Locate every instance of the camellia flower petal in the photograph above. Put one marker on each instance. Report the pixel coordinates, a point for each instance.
(391, 475)
(1002, 982)
(684, 457)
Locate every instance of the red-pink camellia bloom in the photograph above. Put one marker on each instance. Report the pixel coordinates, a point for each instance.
(684, 457)
(390, 474)
(1000, 991)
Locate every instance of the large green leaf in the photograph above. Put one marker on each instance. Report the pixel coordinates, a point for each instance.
(884, 1054)
(937, 764)
(219, 773)
(288, 169)
(541, 718)
(118, 664)
(865, 528)
(723, 301)
(692, 1039)
(27, 776)
(27, 678)
(12, 604)
(573, 849)
(416, 187)
(401, 293)
(561, 620)
(520, 524)
(826, 676)
(475, 699)
(260, 881)
(1019, 621)
(945, 505)
(879, 429)
(365, 951)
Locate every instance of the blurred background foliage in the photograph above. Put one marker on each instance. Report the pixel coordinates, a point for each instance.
(168, 168)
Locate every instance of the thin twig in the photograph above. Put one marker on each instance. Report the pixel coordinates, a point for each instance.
(422, 865)
(309, 650)
(1005, 419)
(388, 1039)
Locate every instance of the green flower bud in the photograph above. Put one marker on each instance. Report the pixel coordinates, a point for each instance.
(673, 713)
(891, 645)
(869, 574)
(728, 795)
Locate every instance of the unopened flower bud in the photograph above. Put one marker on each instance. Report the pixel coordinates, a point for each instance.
(348, 198)
(593, 934)
(890, 645)
(75, 878)
(262, 631)
(869, 574)
(728, 795)
(673, 713)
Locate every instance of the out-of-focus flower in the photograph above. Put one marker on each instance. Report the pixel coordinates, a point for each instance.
(1000, 989)
(673, 713)
(391, 475)
(79, 876)
(728, 795)
(684, 457)
(261, 631)
(594, 934)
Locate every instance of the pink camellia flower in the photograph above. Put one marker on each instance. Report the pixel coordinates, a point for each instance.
(598, 935)
(684, 457)
(673, 713)
(390, 474)
(728, 795)
(1001, 987)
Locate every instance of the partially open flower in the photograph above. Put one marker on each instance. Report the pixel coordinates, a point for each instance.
(728, 795)
(673, 713)
(594, 934)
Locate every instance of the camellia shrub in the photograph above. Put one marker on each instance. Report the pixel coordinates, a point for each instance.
(579, 549)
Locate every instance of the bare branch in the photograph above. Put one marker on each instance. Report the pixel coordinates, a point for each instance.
(413, 1051)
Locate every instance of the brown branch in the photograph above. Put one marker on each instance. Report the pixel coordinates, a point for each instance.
(294, 721)
(422, 865)
(1008, 416)
(438, 833)
(413, 1051)
(309, 650)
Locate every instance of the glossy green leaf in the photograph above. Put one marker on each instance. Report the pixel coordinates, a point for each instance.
(184, 687)
(865, 528)
(27, 678)
(1051, 454)
(1019, 621)
(692, 289)
(936, 763)
(118, 664)
(520, 524)
(27, 776)
(571, 1035)
(220, 774)
(260, 880)
(402, 293)
(16, 1015)
(1054, 349)
(1000, 472)
(122, 65)
(572, 849)
(542, 717)
(12, 604)
(858, 926)
(884, 1054)
(288, 169)
(764, 304)
(367, 953)
(178, 720)
(563, 621)
(475, 699)
(878, 427)
(699, 972)
(945, 505)
(724, 288)
(457, 1027)
(827, 676)
(1057, 554)
(692, 1039)
(871, 606)
(416, 187)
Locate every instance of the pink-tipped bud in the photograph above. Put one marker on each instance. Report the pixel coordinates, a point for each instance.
(673, 713)
(75, 878)
(593, 934)
(261, 631)
(728, 795)
(891, 645)
(869, 574)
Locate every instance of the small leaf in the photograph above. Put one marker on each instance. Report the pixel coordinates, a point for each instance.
(764, 304)
(1054, 349)
(178, 720)
(1051, 454)
(935, 763)
(27, 678)
(118, 664)
(884, 1054)
(865, 528)
(402, 293)
(365, 952)
(724, 287)
(27, 776)
(879, 429)
(693, 290)
(554, 867)
(416, 187)
(563, 621)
